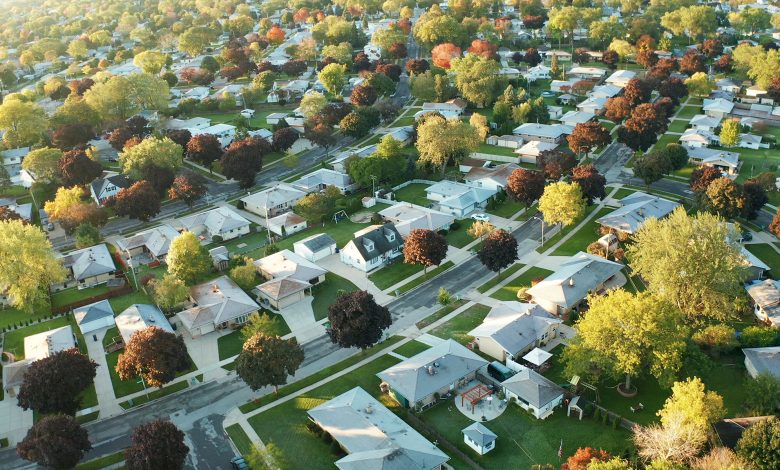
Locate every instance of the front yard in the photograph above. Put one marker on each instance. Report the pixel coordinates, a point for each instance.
(583, 237)
(392, 274)
(230, 344)
(687, 112)
(126, 387)
(509, 291)
(325, 293)
(460, 237)
(458, 327)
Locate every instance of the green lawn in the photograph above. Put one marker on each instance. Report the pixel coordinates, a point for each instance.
(586, 235)
(499, 277)
(552, 240)
(755, 162)
(496, 150)
(439, 314)
(412, 348)
(74, 294)
(678, 126)
(524, 440)
(14, 340)
(622, 192)
(687, 112)
(230, 344)
(768, 255)
(239, 438)
(102, 462)
(429, 275)
(325, 293)
(664, 140)
(458, 327)
(404, 121)
(414, 193)
(390, 275)
(509, 291)
(119, 304)
(12, 316)
(460, 237)
(249, 242)
(285, 425)
(507, 209)
(684, 172)
(314, 378)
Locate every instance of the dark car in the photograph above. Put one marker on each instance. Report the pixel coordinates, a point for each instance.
(239, 463)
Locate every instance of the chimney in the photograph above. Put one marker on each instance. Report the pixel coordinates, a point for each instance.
(571, 282)
(214, 288)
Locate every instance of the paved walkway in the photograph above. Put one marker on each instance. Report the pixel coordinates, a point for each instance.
(107, 403)
(333, 264)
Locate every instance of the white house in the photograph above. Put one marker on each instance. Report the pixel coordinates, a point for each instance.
(605, 91)
(454, 106)
(537, 72)
(717, 108)
(727, 162)
(458, 199)
(288, 278)
(762, 361)
(696, 138)
(287, 224)
(12, 159)
(533, 392)
(594, 104)
(225, 133)
(320, 179)
(561, 85)
(274, 118)
(703, 122)
(372, 247)
(479, 438)
(552, 133)
(529, 153)
(221, 221)
(572, 118)
(751, 141)
(36, 347)
(373, 52)
(315, 247)
(765, 296)
(216, 305)
(149, 245)
(507, 141)
(103, 188)
(406, 217)
(620, 78)
(594, 73)
(632, 215)
(273, 201)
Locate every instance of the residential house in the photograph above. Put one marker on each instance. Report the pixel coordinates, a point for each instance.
(406, 217)
(273, 201)
(566, 99)
(572, 118)
(221, 222)
(537, 72)
(22, 210)
(372, 247)
(320, 179)
(533, 392)
(550, 133)
(88, 267)
(339, 163)
(36, 347)
(454, 106)
(315, 247)
(479, 438)
(289, 277)
(751, 141)
(139, 317)
(631, 216)
(193, 125)
(510, 73)
(727, 162)
(220, 257)
(756, 268)
(108, 186)
(372, 436)
(404, 134)
(12, 159)
(216, 305)
(491, 177)
(275, 118)
(561, 86)
(765, 296)
(565, 289)
(717, 108)
(506, 141)
(562, 55)
(696, 138)
(512, 328)
(728, 85)
(594, 104)
(233, 90)
(149, 245)
(755, 91)
(198, 93)
(529, 153)
(261, 133)
(94, 316)
(702, 122)
(584, 73)
(225, 133)
(373, 52)
(286, 224)
(620, 78)
(605, 91)
(762, 361)
(419, 381)
(458, 199)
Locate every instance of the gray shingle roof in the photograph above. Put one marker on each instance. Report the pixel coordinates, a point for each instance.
(88, 262)
(533, 388)
(514, 325)
(93, 312)
(764, 359)
(376, 242)
(317, 242)
(630, 218)
(480, 434)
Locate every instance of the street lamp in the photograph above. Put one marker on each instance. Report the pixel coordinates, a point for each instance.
(542, 222)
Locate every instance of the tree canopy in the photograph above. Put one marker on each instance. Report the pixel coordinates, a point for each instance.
(187, 259)
(562, 203)
(154, 355)
(55, 383)
(268, 360)
(357, 320)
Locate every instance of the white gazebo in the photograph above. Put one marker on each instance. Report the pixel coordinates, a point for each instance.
(537, 356)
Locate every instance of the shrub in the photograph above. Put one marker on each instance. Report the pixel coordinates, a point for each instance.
(758, 336)
(454, 226)
(216, 239)
(240, 204)
(616, 422)
(376, 218)
(596, 413)
(147, 279)
(270, 249)
(716, 339)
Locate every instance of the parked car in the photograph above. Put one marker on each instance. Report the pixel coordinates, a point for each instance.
(548, 94)
(481, 217)
(239, 463)
(248, 113)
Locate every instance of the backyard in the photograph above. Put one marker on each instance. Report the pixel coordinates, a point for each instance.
(414, 193)
(768, 255)
(74, 294)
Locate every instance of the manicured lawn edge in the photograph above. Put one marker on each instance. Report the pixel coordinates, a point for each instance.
(102, 462)
(242, 442)
(154, 395)
(499, 277)
(431, 274)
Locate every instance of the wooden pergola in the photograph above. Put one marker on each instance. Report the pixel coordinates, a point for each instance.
(474, 395)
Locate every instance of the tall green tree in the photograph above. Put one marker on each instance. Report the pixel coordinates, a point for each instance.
(478, 80)
(187, 259)
(440, 140)
(160, 152)
(23, 123)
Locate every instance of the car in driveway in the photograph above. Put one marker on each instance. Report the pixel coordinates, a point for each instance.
(548, 94)
(480, 217)
(248, 113)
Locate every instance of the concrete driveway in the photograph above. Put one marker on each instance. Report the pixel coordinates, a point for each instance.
(333, 264)
(300, 318)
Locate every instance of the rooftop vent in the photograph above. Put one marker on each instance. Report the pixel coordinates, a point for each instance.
(571, 282)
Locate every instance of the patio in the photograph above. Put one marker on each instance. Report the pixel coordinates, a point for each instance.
(486, 407)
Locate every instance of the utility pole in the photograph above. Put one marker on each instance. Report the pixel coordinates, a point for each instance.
(373, 186)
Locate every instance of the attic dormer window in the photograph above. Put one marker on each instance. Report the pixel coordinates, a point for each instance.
(391, 236)
(369, 245)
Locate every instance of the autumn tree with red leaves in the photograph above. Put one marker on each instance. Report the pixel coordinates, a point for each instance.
(617, 109)
(140, 201)
(77, 169)
(498, 251)
(592, 183)
(701, 178)
(556, 163)
(363, 95)
(525, 186)
(57, 442)
(357, 320)
(774, 227)
(484, 49)
(156, 444)
(71, 135)
(443, 54)
(640, 131)
(55, 383)
(155, 355)
(646, 58)
(424, 247)
(584, 456)
(204, 149)
(692, 62)
(243, 159)
(611, 58)
(637, 91)
(588, 136)
(417, 66)
(532, 57)
(188, 187)
(275, 35)
(284, 138)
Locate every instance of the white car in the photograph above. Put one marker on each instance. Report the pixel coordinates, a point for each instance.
(248, 113)
(481, 217)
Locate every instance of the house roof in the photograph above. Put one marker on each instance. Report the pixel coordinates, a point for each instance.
(219, 253)
(542, 130)
(323, 176)
(577, 117)
(373, 436)
(533, 387)
(317, 242)
(280, 288)
(217, 301)
(698, 135)
(719, 105)
(621, 76)
(714, 156)
(704, 120)
(449, 361)
(407, 217)
(138, 317)
(274, 196)
(479, 434)
(93, 312)
(47, 343)
(766, 294)
(515, 326)
(285, 263)
(376, 240)
(88, 262)
(764, 359)
(593, 71)
(630, 217)
(459, 195)
(215, 221)
(286, 219)
(605, 91)
(574, 279)
(533, 148)
(752, 261)
(157, 240)
(120, 180)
